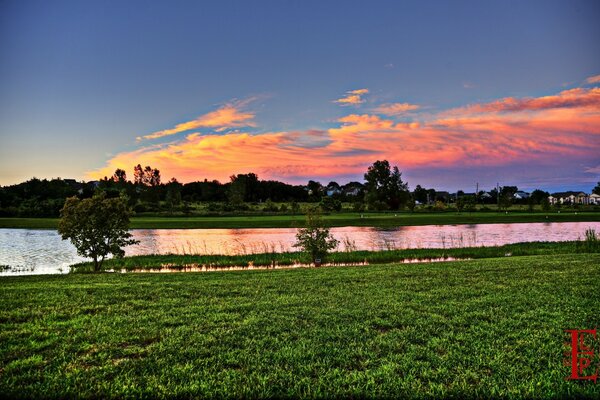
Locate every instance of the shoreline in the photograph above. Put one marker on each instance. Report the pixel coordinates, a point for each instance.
(376, 220)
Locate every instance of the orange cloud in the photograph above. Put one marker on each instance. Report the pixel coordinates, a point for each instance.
(578, 97)
(593, 79)
(353, 97)
(395, 109)
(225, 117)
(555, 129)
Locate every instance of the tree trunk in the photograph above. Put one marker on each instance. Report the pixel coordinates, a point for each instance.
(96, 264)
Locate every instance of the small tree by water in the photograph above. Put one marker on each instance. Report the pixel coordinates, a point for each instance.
(315, 238)
(97, 227)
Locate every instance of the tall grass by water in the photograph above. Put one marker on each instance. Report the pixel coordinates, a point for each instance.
(351, 256)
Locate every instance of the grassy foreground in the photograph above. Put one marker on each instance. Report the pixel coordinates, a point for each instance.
(480, 328)
(334, 220)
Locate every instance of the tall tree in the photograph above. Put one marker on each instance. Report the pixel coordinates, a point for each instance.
(97, 227)
(384, 185)
(120, 176)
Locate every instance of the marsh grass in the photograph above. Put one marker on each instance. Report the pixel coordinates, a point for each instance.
(488, 328)
(353, 257)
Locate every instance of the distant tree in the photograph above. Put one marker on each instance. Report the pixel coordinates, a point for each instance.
(330, 204)
(538, 195)
(295, 207)
(384, 184)
(411, 204)
(237, 190)
(138, 175)
(420, 194)
(173, 196)
(96, 226)
(507, 195)
(460, 203)
(470, 204)
(120, 176)
(545, 204)
(315, 190)
(596, 190)
(315, 238)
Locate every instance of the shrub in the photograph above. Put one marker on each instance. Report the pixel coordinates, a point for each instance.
(315, 238)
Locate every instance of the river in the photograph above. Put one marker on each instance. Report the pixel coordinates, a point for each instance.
(34, 251)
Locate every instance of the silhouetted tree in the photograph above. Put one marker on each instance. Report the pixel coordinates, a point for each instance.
(384, 185)
(120, 176)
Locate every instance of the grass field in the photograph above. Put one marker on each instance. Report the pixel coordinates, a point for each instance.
(480, 328)
(335, 219)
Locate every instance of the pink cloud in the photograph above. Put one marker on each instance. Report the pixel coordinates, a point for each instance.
(395, 109)
(227, 116)
(353, 97)
(546, 130)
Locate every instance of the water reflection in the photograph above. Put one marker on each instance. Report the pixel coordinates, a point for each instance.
(43, 251)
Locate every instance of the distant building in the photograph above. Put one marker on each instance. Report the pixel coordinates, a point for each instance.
(571, 197)
(520, 195)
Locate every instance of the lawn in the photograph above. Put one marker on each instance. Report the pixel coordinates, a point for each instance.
(480, 328)
(334, 219)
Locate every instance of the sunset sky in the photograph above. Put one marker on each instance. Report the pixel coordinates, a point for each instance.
(453, 92)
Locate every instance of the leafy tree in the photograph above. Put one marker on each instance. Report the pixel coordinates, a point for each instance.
(470, 204)
(120, 176)
(330, 204)
(315, 238)
(545, 204)
(96, 226)
(460, 203)
(538, 195)
(411, 204)
(596, 190)
(138, 175)
(420, 194)
(384, 184)
(315, 190)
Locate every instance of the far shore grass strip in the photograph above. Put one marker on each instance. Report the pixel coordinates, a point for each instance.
(383, 220)
(183, 262)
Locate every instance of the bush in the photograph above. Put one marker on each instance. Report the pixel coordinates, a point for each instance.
(315, 238)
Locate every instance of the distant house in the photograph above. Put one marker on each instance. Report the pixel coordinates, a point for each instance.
(572, 197)
(520, 195)
(594, 199)
(332, 190)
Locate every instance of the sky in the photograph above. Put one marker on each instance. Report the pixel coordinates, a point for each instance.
(454, 93)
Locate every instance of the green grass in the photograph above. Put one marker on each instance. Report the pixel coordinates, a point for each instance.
(179, 262)
(335, 219)
(480, 328)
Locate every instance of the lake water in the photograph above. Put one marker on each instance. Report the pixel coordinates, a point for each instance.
(33, 251)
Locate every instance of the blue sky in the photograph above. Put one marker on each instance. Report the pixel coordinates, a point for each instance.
(80, 81)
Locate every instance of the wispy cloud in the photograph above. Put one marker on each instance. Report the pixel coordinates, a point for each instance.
(578, 97)
(395, 109)
(593, 79)
(230, 115)
(353, 97)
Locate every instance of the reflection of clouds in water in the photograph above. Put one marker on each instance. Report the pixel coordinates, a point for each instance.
(46, 252)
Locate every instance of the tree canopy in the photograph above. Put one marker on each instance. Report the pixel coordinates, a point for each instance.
(97, 227)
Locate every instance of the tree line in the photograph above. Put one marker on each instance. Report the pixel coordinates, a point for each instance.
(382, 189)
